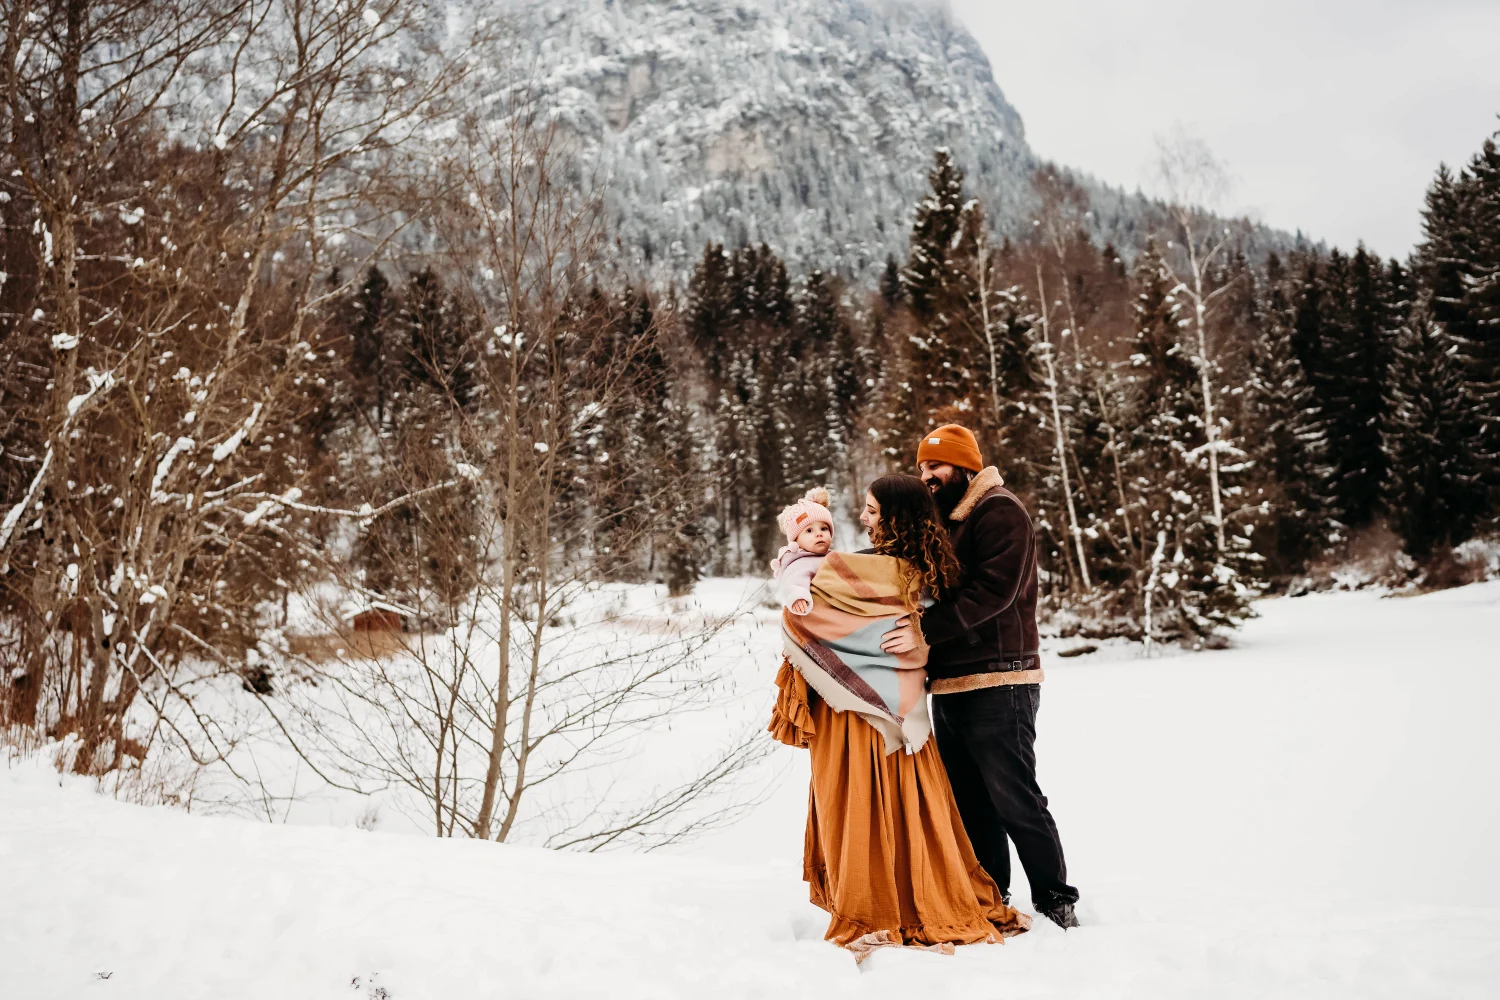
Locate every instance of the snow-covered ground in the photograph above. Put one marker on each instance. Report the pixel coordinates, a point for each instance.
(1311, 814)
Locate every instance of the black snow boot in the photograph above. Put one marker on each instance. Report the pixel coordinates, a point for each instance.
(1062, 915)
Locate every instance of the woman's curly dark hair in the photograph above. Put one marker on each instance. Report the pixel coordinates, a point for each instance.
(911, 530)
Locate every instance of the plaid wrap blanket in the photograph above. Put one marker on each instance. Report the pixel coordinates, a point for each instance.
(856, 599)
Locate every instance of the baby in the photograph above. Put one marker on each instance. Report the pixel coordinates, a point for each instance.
(808, 524)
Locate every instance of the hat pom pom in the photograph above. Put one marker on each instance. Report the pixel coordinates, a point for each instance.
(818, 495)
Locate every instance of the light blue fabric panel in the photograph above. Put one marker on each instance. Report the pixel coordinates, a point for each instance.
(860, 650)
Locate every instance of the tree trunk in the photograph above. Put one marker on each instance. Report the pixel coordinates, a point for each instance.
(1210, 423)
(1150, 588)
(1059, 437)
(507, 599)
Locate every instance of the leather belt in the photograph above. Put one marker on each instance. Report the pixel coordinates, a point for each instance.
(1002, 674)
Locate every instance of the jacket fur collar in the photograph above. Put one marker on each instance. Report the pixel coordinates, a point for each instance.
(978, 487)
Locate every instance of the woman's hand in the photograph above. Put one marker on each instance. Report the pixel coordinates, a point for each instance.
(801, 606)
(902, 638)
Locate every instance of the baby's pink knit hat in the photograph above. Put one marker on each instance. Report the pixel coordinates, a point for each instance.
(813, 507)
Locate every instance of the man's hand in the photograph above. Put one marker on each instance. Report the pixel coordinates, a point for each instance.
(801, 606)
(902, 638)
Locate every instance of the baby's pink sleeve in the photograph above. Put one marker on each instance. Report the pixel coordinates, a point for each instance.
(795, 582)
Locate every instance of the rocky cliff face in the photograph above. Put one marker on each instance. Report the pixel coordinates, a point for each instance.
(807, 124)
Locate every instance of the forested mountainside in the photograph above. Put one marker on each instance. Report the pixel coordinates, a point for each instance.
(804, 124)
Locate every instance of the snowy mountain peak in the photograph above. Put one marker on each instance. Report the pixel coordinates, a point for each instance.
(807, 124)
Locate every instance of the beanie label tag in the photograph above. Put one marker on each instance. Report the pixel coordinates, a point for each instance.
(934, 440)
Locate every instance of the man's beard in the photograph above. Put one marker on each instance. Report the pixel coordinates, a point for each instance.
(950, 493)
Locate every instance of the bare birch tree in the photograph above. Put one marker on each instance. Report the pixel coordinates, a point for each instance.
(1060, 447)
(1195, 183)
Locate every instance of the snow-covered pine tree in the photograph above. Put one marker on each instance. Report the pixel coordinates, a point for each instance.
(890, 283)
(948, 245)
(1307, 318)
(1108, 302)
(1286, 434)
(1092, 397)
(681, 544)
(1194, 591)
(1444, 260)
(1021, 440)
(831, 394)
(708, 311)
(958, 335)
(1435, 491)
(760, 291)
(1328, 316)
(915, 378)
(423, 349)
(990, 338)
(368, 327)
(891, 411)
(629, 441)
(1479, 352)
(439, 357)
(1161, 378)
(928, 277)
(1355, 352)
(741, 413)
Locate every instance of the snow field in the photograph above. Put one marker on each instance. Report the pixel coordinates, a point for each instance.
(1311, 814)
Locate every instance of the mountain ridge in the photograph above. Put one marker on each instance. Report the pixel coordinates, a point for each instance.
(805, 124)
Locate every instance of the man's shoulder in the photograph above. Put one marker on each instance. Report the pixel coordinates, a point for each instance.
(999, 501)
(999, 516)
(983, 489)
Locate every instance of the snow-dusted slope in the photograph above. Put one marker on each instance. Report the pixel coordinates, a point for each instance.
(809, 124)
(1310, 815)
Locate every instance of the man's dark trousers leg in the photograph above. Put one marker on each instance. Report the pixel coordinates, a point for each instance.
(987, 739)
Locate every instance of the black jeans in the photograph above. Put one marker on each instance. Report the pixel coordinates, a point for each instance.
(987, 739)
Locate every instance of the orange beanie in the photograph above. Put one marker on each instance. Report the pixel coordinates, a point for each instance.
(951, 443)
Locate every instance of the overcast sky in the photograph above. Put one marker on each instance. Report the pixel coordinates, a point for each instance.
(1331, 114)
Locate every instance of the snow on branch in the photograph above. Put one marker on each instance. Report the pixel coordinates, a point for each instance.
(232, 443)
(13, 516)
(98, 382)
(164, 467)
(288, 500)
(99, 385)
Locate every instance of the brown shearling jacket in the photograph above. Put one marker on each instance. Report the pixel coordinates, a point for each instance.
(987, 625)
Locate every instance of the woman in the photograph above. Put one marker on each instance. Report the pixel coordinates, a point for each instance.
(885, 852)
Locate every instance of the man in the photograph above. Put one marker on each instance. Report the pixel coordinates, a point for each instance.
(984, 672)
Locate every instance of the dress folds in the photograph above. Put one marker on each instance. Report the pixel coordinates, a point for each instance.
(885, 854)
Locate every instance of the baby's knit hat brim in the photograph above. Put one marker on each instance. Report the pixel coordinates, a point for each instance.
(811, 509)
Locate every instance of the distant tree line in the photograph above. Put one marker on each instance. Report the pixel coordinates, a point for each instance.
(1189, 428)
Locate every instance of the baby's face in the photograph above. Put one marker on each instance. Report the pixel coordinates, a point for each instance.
(816, 538)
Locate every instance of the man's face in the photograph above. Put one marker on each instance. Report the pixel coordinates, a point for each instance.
(947, 483)
(935, 475)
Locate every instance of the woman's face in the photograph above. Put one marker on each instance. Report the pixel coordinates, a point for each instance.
(870, 516)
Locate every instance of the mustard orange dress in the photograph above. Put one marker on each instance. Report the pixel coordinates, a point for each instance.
(885, 853)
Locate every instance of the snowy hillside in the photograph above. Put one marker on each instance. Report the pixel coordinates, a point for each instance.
(1311, 814)
(808, 124)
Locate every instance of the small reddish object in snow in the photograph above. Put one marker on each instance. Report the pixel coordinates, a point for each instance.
(378, 620)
